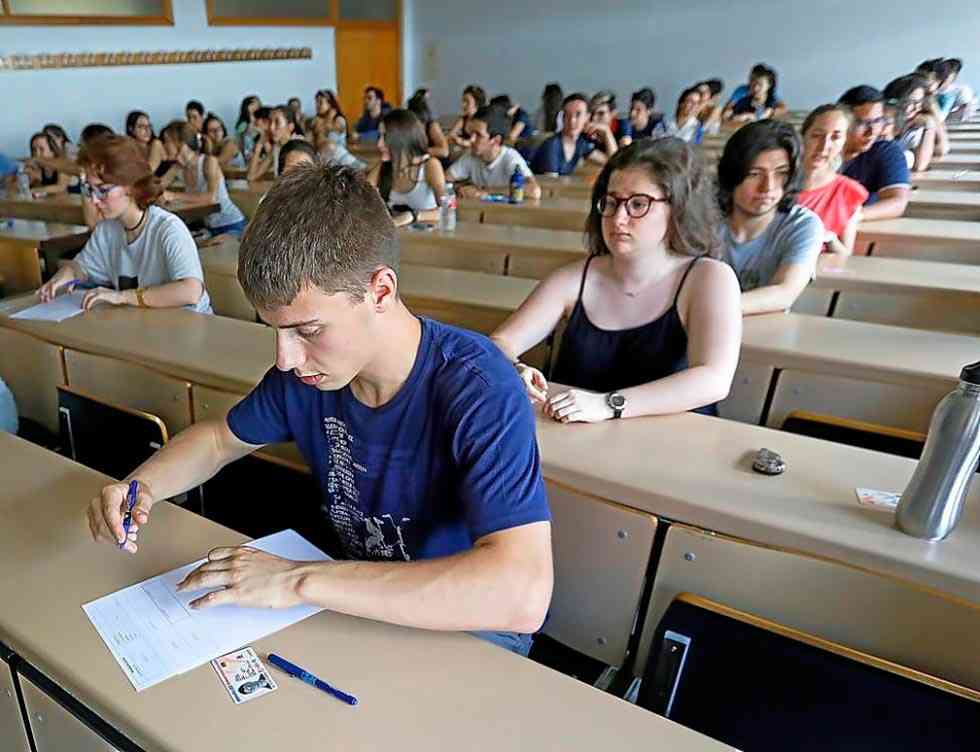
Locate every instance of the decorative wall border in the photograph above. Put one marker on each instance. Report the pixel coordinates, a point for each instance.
(48, 61)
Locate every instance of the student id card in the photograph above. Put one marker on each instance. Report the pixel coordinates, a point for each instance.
(244, 675)
(879, 499)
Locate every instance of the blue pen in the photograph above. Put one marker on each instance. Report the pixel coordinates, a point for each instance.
(134, 487)
(303, 675)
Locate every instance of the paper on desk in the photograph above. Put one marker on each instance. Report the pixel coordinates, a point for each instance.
(58, 309)
(153, 634)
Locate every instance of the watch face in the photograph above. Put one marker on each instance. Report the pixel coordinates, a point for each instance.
(617, 401)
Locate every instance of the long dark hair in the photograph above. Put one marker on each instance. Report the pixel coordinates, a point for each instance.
(243, 110)
(404, 136)
(742, 149)
(679, 169)
(131, 119)
(551, 100)
(291, 117)
(419, 107)
(332, 99)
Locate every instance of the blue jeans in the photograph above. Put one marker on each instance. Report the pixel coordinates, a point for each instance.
(8, 410)
(235, 229)
(512, 641)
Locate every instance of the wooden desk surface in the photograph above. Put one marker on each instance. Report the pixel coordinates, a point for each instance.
(463, 287)
(947, 180)
(697, 469)
(954, 161)
(571, 205)
(67, 208)
(962, 146)
(874, 274)
(933, 231)
(215, 351)
(481, 237)
(928, 203)
(857, 349)
(50, 236)
(489, 700)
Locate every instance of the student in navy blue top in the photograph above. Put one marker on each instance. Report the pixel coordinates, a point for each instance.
(560, 154)
(744, 90)
(876, 164)
(760, 103)
(419, 435)
(375, 108)
(643, 120)
(520, 122)
(653, 318)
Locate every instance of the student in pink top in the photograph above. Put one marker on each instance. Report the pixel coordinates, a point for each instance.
(835, 198)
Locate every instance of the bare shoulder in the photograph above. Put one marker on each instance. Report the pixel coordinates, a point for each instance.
(710, 276)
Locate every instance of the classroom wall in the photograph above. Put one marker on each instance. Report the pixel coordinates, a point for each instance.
(76, 97)
(818, 48)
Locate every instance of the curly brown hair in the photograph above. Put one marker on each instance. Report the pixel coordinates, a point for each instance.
(679, 169)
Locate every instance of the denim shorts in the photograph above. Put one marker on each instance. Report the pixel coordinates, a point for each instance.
(515, 642)
(235, 229)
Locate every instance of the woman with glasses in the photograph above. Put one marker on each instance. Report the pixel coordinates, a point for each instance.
(139, 254)
(203, 179)
(836, 199)
(219, 145)
(653, 318)
(138, 127)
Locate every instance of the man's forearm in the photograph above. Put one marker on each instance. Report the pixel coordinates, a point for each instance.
(886, 208)
(768, 299)
(474, 590)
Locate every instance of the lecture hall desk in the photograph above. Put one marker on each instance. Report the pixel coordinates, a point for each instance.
(926, 203)
(659, 475)
(902, 292)
(955, 161)
(547, 213)
(960, 147)
(25, 243)
(930, 239)
(67, 208)
(947, 180)
(489, 700)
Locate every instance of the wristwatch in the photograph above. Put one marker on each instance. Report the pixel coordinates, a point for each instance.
(617, 403)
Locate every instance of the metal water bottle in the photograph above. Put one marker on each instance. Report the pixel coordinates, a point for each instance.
(933, 501)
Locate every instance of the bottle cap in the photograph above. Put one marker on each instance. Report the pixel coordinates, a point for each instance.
(971, 373)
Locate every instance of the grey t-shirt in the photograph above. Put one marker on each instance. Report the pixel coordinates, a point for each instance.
(164, 252)
(793, 237)
(496, 174)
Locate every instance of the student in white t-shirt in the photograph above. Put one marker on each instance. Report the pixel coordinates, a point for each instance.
(489, 164)
(138, 254)
(204, 182)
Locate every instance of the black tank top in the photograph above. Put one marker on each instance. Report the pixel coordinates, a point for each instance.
(604, 360)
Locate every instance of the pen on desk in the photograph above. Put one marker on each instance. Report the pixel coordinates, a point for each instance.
(130, 503)
(304, 675)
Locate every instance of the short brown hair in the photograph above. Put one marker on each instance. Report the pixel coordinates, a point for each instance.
(678, 168)
(324, 226)
(120, 160)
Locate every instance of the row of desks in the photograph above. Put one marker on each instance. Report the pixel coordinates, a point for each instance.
(812, 510)
(490, 699)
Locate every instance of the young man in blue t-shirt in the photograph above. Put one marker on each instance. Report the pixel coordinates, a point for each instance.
(419, 435)
(876, 164)
(560, 154)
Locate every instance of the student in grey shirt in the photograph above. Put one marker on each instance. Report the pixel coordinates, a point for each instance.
(139, 254)
(770, 242)
(489, 163)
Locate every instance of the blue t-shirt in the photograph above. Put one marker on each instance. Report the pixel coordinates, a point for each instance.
(550, 157)
(7, 166)
(451, 458)
(882, 166)
(743, 91)
(521, 116)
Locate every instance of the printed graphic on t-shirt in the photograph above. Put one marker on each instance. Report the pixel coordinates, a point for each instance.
(363, 537)
(127, 283)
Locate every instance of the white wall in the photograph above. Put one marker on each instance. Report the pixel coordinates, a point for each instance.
(818, 48)
(76, 97)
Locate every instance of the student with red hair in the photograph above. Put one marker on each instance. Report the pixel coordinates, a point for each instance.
(138, 254)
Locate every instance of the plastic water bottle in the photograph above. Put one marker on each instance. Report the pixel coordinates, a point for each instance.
(933, 501)
(23, 182)
(447, 210)
(517, 186)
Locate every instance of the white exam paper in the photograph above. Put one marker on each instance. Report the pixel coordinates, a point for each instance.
(58, 309)
(153, 633)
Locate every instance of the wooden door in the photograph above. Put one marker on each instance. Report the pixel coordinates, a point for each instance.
(367, 56)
